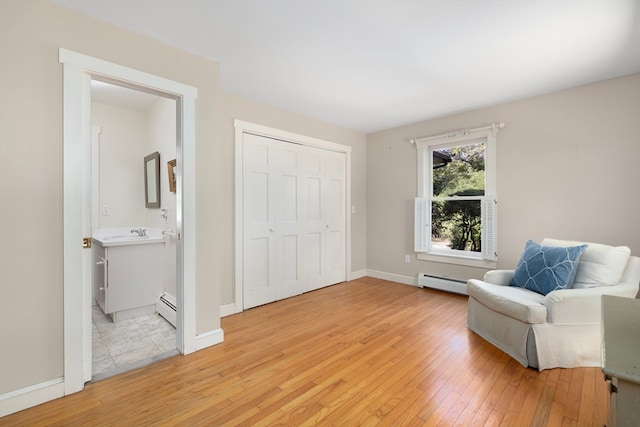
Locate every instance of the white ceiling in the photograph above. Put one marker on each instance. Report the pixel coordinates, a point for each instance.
(372, 65)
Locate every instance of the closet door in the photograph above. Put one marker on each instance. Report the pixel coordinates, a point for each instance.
(315, 225)
(335, 170)
(294, 199)
(288, 231)
(259, 272)
(272, 220)
(324, 198)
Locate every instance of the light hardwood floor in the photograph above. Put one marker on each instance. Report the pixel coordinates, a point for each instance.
(366, 352)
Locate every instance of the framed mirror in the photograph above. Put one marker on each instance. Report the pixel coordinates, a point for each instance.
(152, 180)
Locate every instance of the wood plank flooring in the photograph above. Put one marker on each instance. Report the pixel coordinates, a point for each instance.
(366, 352)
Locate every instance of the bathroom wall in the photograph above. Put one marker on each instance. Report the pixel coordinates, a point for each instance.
(161, 137)
(122, 147)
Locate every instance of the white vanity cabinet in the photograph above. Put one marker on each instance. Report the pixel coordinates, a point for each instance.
(127, 279)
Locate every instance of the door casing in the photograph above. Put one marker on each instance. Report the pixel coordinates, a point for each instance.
(77, 72)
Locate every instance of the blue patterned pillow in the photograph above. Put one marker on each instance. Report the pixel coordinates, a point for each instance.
(543, 269)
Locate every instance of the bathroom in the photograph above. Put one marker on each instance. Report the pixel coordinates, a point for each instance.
(128, 126)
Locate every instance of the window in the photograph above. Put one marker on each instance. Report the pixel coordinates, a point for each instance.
(456, 203)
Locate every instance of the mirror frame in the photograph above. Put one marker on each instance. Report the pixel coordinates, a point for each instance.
(155, 159)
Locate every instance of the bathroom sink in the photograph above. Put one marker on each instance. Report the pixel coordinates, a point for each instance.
(122, 236)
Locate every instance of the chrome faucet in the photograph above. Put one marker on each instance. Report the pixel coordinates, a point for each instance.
(141, 232)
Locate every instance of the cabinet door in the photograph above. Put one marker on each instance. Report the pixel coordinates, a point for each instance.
(99, 274)
(134, 277)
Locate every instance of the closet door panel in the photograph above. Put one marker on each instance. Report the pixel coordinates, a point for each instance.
(259, 268)
(313, 259)
(314, 223)
(335, 218)
(290, 283)
(288, 222)
(256, 278)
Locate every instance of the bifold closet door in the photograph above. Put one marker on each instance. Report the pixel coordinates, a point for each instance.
(271, 220)
(293, 219)
(289, 220)
(324, 225)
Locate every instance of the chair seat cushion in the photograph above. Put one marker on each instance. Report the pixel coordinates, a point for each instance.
(518, 303)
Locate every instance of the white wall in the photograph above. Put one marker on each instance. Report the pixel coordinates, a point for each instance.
(567, 168)
(161, 137)
(123, 140)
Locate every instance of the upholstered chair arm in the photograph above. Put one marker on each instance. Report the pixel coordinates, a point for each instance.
(581, 306)
(498, 277)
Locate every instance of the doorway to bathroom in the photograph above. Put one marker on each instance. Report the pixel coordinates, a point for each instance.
(78, 72)
(134, 275)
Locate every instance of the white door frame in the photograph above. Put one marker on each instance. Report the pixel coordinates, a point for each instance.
(242, 127)
(77, 72)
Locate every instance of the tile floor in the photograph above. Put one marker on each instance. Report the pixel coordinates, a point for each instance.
(127, 344)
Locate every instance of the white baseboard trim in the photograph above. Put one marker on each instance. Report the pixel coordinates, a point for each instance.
(209, 338)
(28, 397)
(358, 274)
(407, 280)
(229, 309)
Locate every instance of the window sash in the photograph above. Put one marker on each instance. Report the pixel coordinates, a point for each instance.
(423, 203)
(455, 198)
(422, 230)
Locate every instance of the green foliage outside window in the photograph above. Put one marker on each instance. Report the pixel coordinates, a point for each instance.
(457, 223)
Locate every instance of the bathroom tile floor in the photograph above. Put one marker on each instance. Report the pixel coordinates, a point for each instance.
(128, 344)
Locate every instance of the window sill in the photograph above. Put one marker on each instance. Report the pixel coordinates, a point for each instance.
(458, 260)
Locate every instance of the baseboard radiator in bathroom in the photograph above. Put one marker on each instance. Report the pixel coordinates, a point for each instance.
(166, 307)
(442, 283)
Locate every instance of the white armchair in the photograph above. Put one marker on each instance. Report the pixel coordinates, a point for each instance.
(562, 328)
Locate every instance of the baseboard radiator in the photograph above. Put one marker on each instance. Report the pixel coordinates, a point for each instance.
(166, 307)
(442, 283)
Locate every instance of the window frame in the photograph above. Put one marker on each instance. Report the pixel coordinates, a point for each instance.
(425, 147)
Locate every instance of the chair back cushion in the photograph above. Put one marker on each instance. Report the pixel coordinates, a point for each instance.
(599, 265)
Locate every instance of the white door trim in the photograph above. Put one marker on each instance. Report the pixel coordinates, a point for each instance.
(247, 127)
(77, 72)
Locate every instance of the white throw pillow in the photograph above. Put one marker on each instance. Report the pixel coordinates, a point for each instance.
(599, 264)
